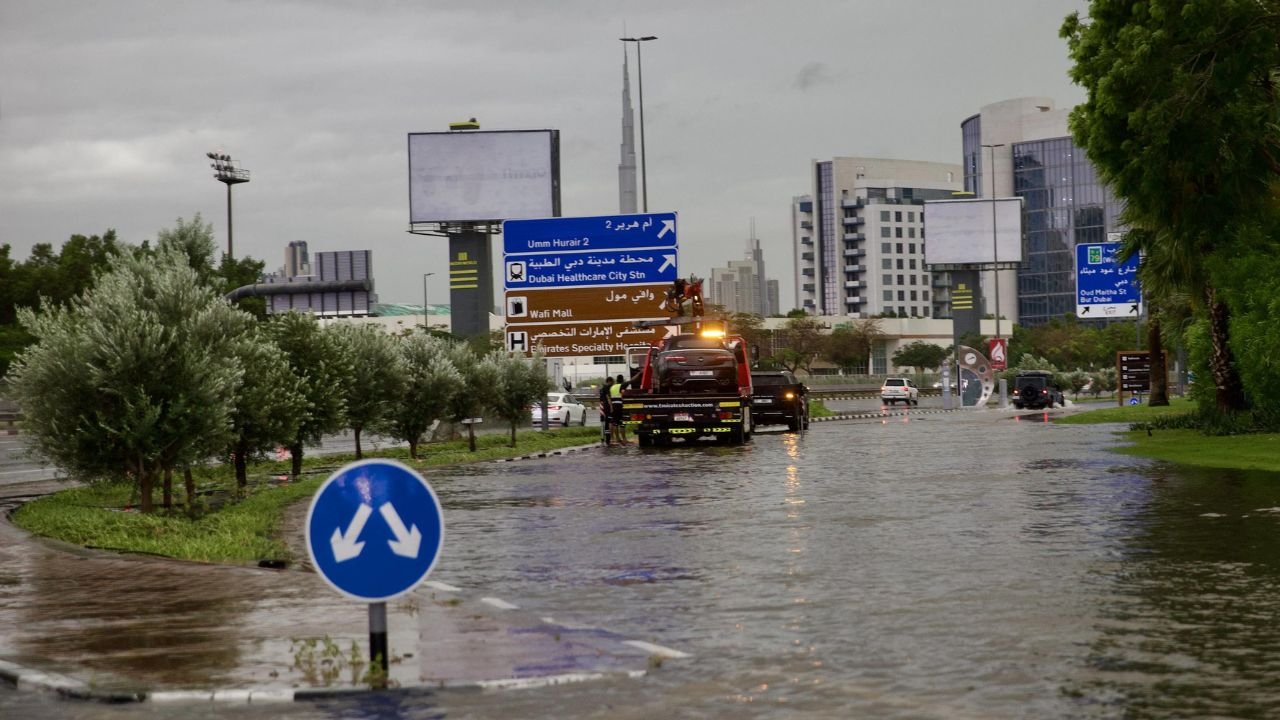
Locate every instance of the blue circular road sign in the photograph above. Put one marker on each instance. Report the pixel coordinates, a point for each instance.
(375, 530)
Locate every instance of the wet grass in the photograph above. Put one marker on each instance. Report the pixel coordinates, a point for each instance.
(1128, 413)
(817, 409)
(1253, 451)
(1257, 451)
(234, 526)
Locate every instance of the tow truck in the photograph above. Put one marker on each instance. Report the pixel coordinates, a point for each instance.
(691, 384)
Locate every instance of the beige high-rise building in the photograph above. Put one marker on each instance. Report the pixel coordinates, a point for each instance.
(858, 237)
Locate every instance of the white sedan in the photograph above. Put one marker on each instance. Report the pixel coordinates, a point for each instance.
(562, 409)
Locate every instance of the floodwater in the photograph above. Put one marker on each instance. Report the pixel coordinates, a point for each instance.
(964, 565)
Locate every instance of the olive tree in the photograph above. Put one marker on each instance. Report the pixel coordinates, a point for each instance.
(316, 358)
(522, 381)
(480, 380)
(269, 406)
(133, 378)
(376, 380)
(431, 382)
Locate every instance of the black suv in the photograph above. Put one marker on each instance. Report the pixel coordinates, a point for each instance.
(1034, 389)
(778, 398)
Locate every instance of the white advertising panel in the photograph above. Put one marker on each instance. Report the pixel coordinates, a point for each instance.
(475, 176)
(959, 232)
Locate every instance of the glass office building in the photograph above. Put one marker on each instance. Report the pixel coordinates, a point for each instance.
(1064, 204)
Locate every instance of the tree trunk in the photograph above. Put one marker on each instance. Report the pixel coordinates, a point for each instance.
(359, 454)
(168, 488)
(413, 449)
(146, 480)
(295, 450)
(190, 482)
(1159, 373)
(1230, 391)
(241, 462)
(471, 436)
(513, 430)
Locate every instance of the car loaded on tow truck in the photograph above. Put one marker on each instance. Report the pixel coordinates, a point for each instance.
(692, 385)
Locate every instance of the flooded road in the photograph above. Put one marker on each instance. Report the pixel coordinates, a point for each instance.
(941, 566)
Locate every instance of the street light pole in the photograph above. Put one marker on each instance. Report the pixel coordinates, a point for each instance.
(995, 258)
(644, 176)
(226, 171)
(426, 308)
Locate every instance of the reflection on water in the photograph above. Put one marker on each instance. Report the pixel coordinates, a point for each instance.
(959, 567)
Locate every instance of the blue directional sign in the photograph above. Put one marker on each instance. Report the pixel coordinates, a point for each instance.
(374, 530)
(1105, 287)
(609, 267)
(603, 232)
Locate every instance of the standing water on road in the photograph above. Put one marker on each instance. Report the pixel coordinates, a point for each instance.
(959, 565)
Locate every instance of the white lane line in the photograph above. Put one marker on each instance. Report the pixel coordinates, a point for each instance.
(655, 649)
(538, 682)
(500, 604)
(445, 587)
(180, 696)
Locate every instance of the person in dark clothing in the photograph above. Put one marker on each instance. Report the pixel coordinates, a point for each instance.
(615, 395)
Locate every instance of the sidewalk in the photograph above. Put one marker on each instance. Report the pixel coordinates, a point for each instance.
(110, 627)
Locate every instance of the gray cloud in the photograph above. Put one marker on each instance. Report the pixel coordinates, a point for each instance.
(813, 73)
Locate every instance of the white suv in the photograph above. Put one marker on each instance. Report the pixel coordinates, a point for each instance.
(899, 389)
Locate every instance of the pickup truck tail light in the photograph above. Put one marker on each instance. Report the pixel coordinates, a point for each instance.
(790, 396)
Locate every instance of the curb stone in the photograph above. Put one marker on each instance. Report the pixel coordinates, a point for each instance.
(552, 453)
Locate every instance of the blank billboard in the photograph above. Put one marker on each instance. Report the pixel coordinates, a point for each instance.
(959, 232)
(477, 176)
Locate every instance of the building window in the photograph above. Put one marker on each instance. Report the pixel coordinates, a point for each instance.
(913, 279)
(924, 279)
(911, 248)
(897, 232)
(897, 216)
(884, 216)
(884, 231)
(911, 217)
(884, 247)
(900, 282)
(886, 279)
(879, 363)
(915, 312)
(899, 247)
(924, 295)
(902, 311)
(902, 296)
(926, 311)
(911, 232)
(900, 267)
(912, 263)
(886, 264)
(888, 294)
(913, 294)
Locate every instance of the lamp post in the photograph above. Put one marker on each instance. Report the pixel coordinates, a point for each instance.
(226, 171)
(426, 308)
(644, 177)
(995, 264)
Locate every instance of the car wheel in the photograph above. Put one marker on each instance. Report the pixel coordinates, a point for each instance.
(565, 422)
(582, 420)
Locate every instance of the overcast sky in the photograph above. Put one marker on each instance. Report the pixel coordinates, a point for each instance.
(107, 109)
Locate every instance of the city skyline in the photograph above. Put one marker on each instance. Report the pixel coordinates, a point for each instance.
(105, 121)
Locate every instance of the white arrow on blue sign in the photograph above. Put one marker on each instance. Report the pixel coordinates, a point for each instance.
(1105, 287)
(588, 234)
(374, 530)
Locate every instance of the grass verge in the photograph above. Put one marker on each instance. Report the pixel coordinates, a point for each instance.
(818, 409)
(234, 527)
(1260, 451)
(1128, 413)
(1254, 451)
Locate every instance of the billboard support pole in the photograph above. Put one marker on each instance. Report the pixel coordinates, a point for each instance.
(995, 251)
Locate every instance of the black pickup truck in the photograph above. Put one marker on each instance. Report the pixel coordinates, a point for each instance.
(778, 398)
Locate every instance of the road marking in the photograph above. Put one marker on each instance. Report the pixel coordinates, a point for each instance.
(446, 587)
(527, 683)
(500, 604)
(655, 649)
